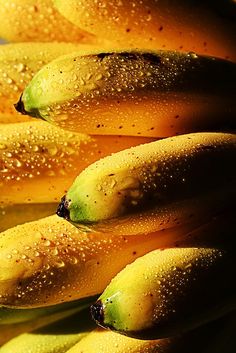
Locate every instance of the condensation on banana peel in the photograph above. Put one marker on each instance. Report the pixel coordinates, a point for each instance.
(134, 93)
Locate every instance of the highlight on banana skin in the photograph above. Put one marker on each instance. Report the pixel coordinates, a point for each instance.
(136, 156)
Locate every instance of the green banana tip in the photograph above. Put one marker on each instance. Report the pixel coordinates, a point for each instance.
(62, 209)
(19, 106)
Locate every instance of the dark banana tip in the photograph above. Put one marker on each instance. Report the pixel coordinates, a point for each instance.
(97, 313)
(19, 106)
(62, 210)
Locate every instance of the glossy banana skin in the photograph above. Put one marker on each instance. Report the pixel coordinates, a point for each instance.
(70, 263)
(162, 93)
(168, 292)
(57, 337)
(144, 180)
(15, 214)
(36, 153)
(207, 27)
(10, 316)
(39, 21)
(215, 337)
(18, 64)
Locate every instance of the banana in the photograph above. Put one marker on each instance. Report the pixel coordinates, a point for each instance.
(177, 177)
(206, 339)
(165, 293)
(12, 215)
(37, 20)
(159, 94)
(57, 337)
(9, 331)
(18, 64)
(50, 261)
(10, 316)
(38, 161)
(208, 28)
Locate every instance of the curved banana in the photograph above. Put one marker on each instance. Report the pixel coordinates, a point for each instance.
(18, 64)
(10, 316)
(49, 261)
(159, 94)
(165, 293)
(8, 331)
(38, 161)
(208, 28)
(57, 337)
(136, 186)
(14, 214)
(37, 20)
(206, 339)
(107, 341)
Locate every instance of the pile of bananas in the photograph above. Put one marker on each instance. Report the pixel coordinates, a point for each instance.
(138, 99)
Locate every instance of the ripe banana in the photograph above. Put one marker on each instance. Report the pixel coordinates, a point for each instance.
(38, 161)
(9, 331)
(18, 64)
(10, 316)
(49, 261)
(178, 177)
(207, 339)
(159, 94)
(57, 337)
(206, 27)
(12, 215)
(165, 293)
(37, 20)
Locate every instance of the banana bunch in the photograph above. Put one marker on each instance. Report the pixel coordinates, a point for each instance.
(118, 209)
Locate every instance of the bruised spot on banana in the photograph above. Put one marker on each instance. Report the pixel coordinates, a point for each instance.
(160, 94)
(155, 183)
(39, 21)
(167, 292)
(70, 263)
(208, 28)
(38, 162)
(56, 337)
(18, 64)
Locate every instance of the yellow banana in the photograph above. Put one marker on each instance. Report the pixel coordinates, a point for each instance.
(207, 339)
(38, 161)
(13, 316)
(12, 215)
(8, 331)
(162, 93)
(208, 27)
(184, 175)
(37, 20)
(57, 337)
(50, 261)
(18, 64)
(165, 293)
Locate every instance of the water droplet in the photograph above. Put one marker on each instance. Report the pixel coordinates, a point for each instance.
(47, 242)
(60, 264)
(20, 67)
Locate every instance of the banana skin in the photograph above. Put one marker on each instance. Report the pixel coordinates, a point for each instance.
(207, 28)
(57, 337)
(49, 261)
(38, 153)
(38, 21)
(143, 182)
(168, 292)
(18, 64)
(141, 93)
